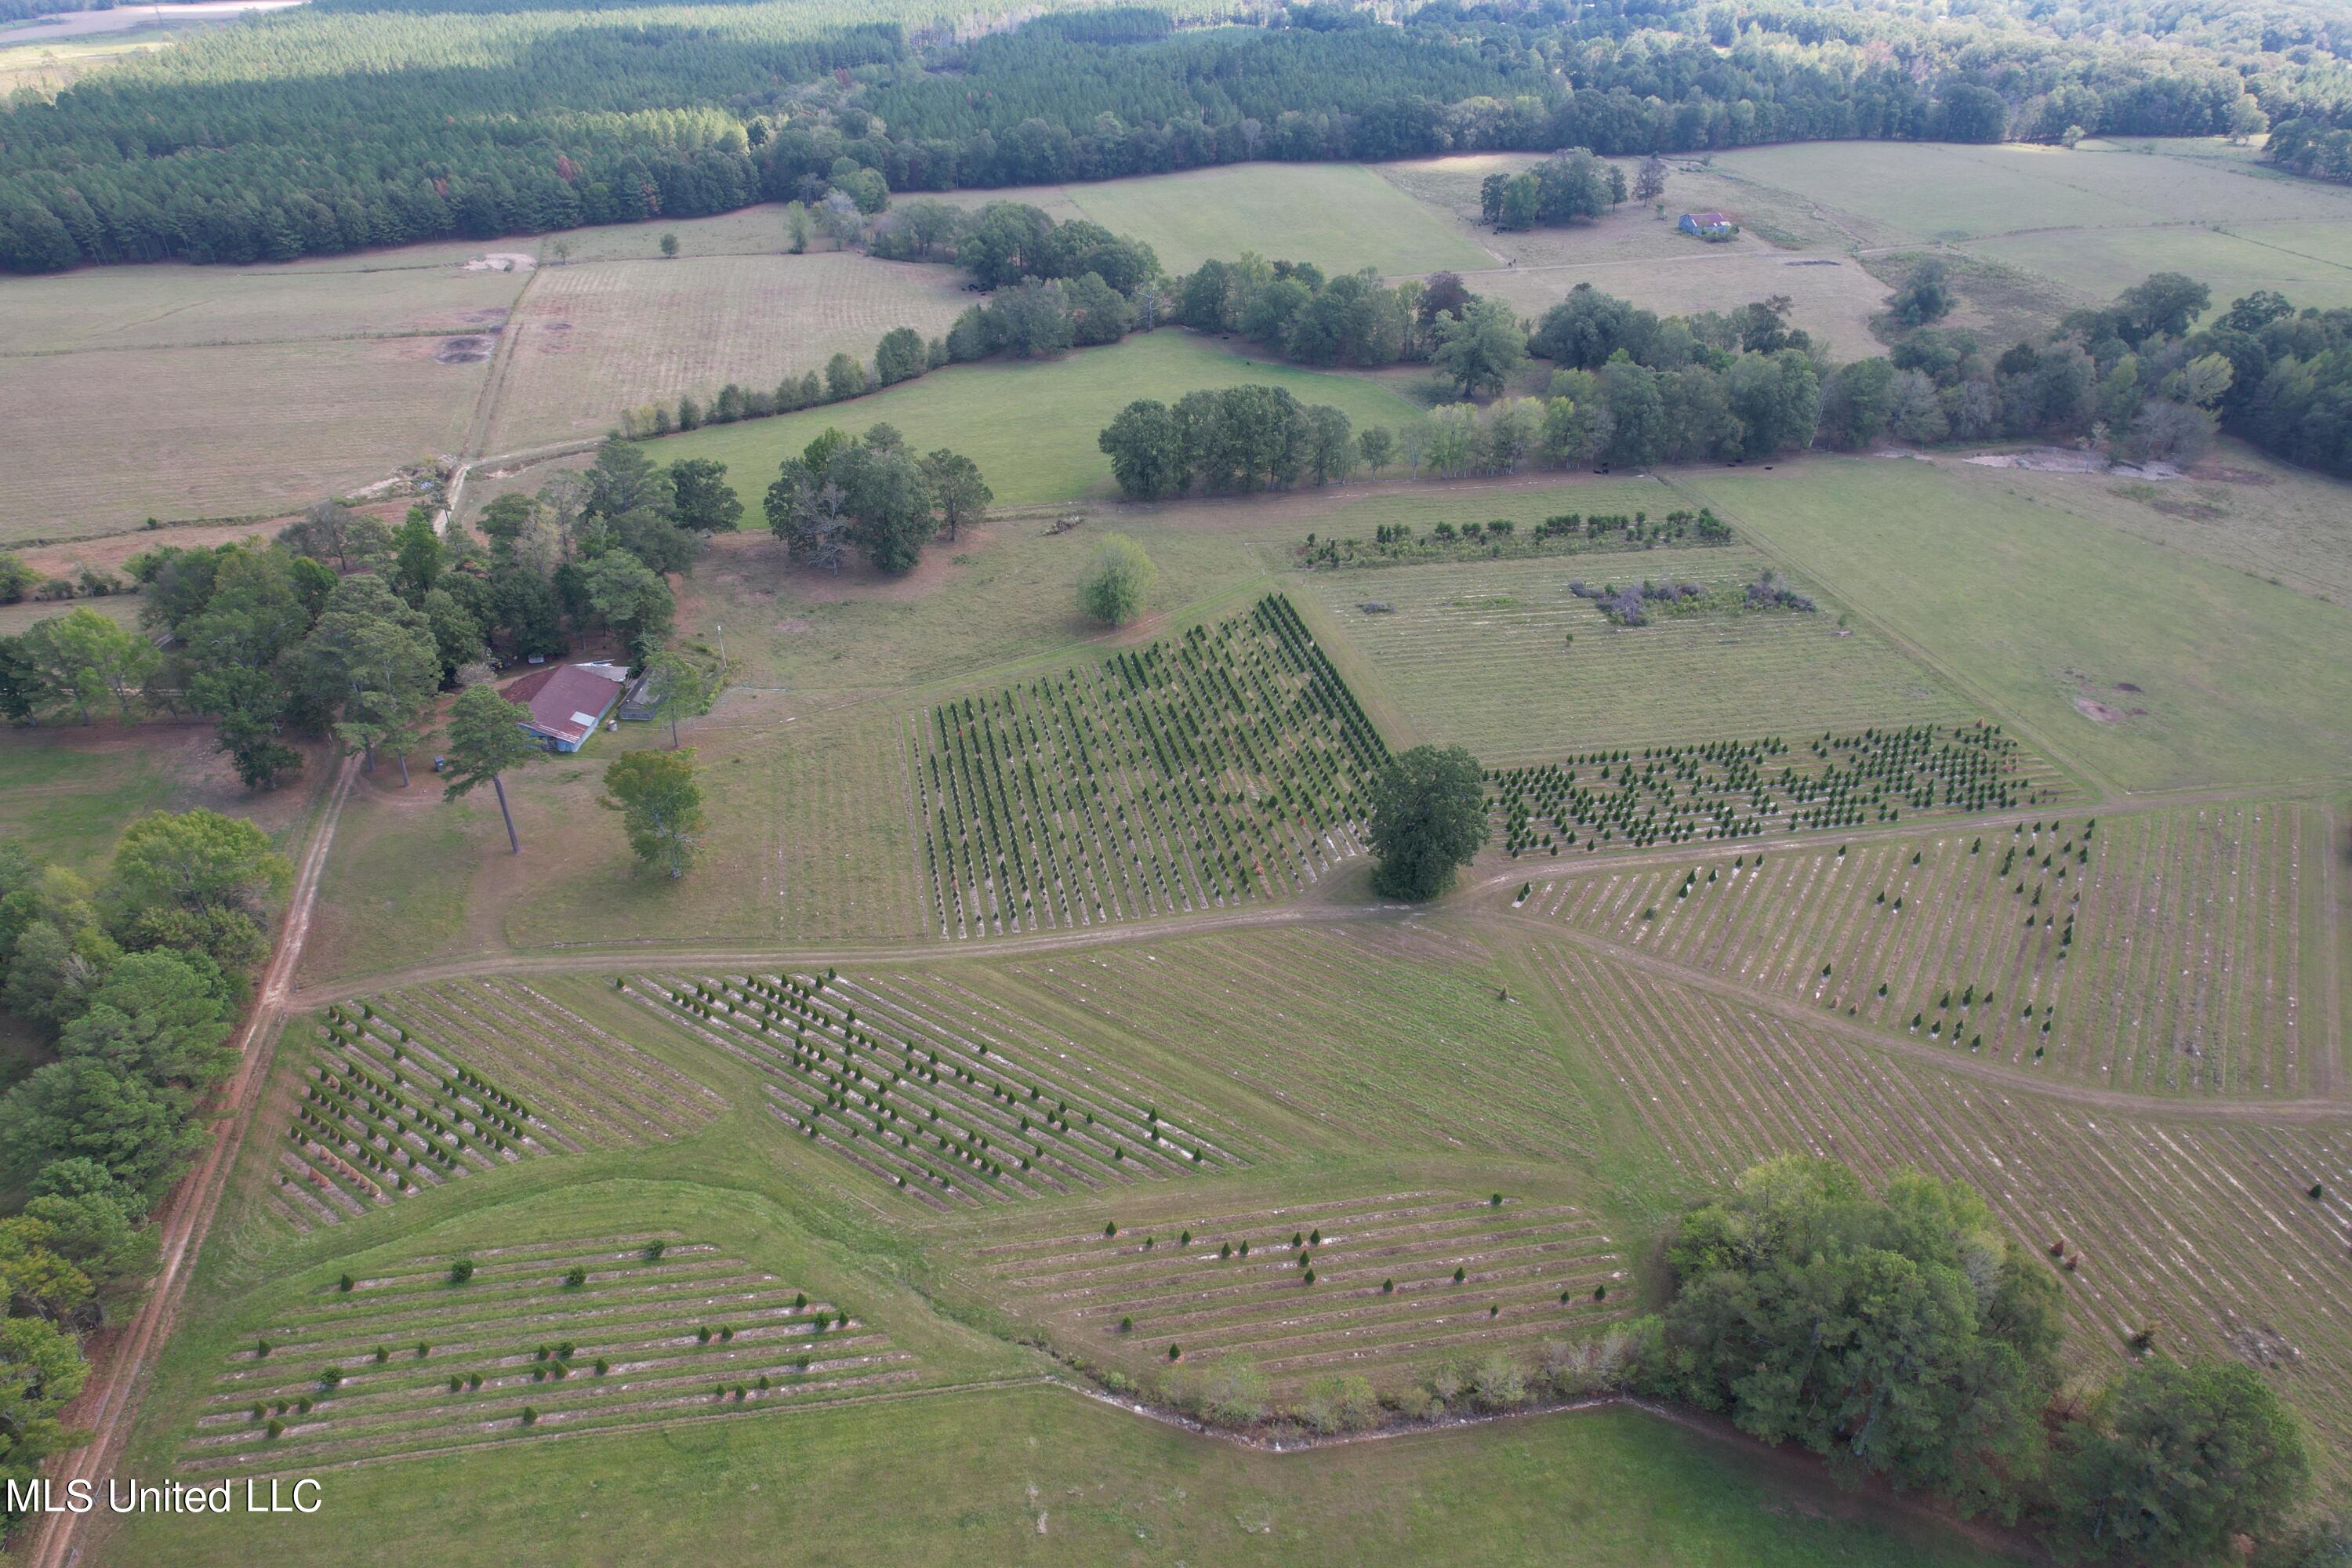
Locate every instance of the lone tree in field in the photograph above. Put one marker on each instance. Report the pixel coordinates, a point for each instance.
(1429, 816)
(682, 689)
(1117, 580)
(1650, 181)
(660, 806)
(484, 742)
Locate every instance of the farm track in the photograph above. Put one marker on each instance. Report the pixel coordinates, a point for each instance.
(1495, 876)
(110, 1398)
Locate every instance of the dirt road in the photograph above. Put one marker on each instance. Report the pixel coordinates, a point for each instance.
(111, 1397)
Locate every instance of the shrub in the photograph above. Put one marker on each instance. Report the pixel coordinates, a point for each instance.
(461, 1272)
(1117, 581)
(1230, 1392)
(1498, 1383)
(1415, 1404)
(577, 1277)
(275, 1426)
(1602, 1364)
(1340, 1404)
(530, 1415)
(603, 1366)
(344, 1284)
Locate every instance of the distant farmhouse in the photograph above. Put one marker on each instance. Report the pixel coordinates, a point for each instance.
(1709, 225)
(568, 702)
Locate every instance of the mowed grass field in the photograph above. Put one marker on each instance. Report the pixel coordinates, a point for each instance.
(810, 838)
(1636, 255)
(244, 431)
(2095, 220)
(1890, 192)
(1030, 425)
(2240, 509)
(592, 338)
(187, 393)
(2305, 261)
(1480, 654)
(1340, 216)
(2187, 674)
(1831, 299)
(1044, 1475)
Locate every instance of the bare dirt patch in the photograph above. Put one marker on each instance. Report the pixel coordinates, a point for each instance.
(2097, 712)
(2070, 460)
(472, 349)
(503, 261)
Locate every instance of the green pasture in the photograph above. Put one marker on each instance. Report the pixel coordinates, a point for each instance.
(1341, 217)
(1038, 1474)
(2041, 614)
(1892, 191)
(1030, 425)
(1503, 657)
(2305, 261)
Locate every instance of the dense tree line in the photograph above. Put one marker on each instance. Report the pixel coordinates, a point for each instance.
(133, 983)
(377, 125)
(1632, 389)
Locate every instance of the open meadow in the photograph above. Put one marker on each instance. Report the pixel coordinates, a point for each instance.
(2177, 682)
(1049, 453)
(1340, 218)
(1504, 658)
(593, 338)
